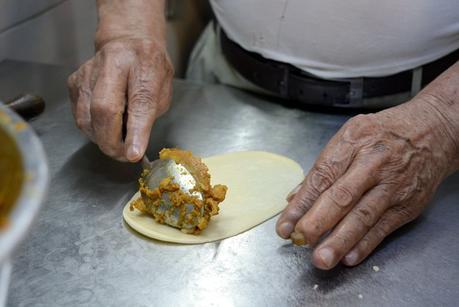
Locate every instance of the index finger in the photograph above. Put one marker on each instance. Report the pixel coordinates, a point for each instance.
(107, 108)
(145, 85)
(331, 164)
(337, 201)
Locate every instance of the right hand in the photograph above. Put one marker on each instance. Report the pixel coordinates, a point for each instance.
(132, 75)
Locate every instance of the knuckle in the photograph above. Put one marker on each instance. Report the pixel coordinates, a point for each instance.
(403, 214)
(380, 154)
(381, 231)
(384, 227)
(71, 80)
(360, 118)
(355, 121)
(341, 195)
(81, 123)
(363, 246)
(359, 126)
(84, 91)
(381, 147)
(364, 120)
(103, 110)
(321, 177)
(85, 70)
(303, 202)
(161, 59)
(142, 97)
(405, 191)
(364, 216)
(310, 230)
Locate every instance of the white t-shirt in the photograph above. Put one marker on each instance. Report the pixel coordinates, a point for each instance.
(344, 38)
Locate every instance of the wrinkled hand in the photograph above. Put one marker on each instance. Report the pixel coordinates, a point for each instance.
(128, 79)
(375, 175)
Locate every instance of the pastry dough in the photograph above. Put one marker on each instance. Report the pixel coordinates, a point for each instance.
(258, 183)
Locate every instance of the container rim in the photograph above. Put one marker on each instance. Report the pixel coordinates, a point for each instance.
(34, 186)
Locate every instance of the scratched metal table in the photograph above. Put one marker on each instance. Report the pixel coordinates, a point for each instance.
(80, 252)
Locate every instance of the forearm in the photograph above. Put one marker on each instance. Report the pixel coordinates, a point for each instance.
(130, 18)
(440, 99)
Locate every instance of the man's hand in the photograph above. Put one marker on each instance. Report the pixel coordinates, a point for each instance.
(117, 95)
(129, 79)
(375, 175)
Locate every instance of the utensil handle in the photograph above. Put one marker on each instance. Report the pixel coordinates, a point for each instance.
(5, 273)
(27, 105)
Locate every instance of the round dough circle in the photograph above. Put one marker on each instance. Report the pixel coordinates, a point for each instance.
(258, 183)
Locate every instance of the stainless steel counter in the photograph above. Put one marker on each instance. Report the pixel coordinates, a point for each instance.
(80, 252)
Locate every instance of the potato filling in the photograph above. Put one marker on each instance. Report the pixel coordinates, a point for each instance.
(189, 213)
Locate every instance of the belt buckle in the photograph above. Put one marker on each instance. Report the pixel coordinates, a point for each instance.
(355, 92)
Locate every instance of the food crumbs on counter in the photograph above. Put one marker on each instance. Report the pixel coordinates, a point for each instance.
(376, 268)
(360, 296)
(297, 238)
(316, 286)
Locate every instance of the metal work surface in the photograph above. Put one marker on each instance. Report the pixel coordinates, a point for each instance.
(80, 252)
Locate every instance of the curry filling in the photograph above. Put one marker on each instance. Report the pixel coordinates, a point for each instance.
(11, 176)
(184, 209)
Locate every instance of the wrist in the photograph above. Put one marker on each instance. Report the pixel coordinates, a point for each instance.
(435, 111)
(128, 19)
(104, 36)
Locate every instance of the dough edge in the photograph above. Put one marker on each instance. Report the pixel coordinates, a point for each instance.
(156, 231)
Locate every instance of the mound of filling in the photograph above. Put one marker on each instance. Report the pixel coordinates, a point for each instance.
(168, 203)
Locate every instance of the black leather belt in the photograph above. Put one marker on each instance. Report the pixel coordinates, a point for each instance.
(292, 83)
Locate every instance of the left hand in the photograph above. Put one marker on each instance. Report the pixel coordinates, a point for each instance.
(375, 175)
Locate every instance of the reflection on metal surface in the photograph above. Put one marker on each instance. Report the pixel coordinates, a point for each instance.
(5, 272)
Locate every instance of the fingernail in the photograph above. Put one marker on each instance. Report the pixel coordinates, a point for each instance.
(293, 192)
(351, 258)
(133, 153)
(285, 229)
(327, 255)
(298, 238)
